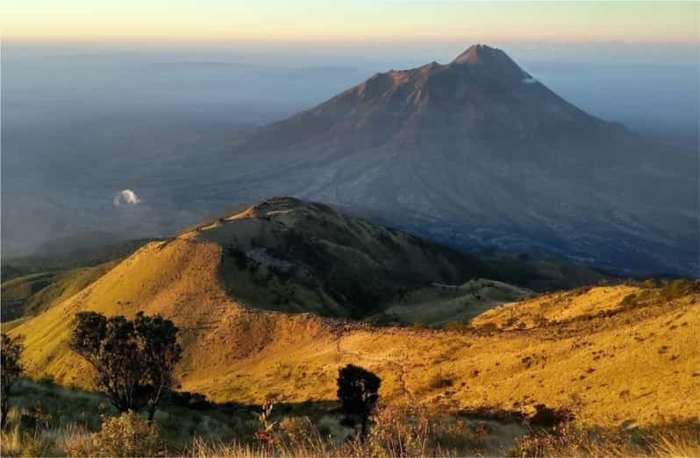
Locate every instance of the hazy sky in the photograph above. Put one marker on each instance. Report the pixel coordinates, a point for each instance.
(629, 21)
(93, 90)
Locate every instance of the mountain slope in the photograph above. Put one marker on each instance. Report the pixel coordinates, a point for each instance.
(288, 255)
(482, 97)
(573, 349)
(579, 354)
(33, 293)
(476, 153)
(282, 254)
(520, 354)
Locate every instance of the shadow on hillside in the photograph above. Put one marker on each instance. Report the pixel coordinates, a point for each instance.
(182, 416)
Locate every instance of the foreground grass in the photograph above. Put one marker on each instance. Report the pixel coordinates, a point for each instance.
(44, 410)
(667, 440)
(47, 420)
(395, 433)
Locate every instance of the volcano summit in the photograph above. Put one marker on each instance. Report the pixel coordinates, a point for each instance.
(480, 153)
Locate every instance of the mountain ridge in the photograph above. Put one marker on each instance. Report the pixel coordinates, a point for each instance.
(502, 347)
(294, 256)
(514, 358)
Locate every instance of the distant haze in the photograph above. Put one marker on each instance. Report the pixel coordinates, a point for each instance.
(81, 123)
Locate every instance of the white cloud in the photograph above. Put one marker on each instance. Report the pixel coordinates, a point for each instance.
(126, 197)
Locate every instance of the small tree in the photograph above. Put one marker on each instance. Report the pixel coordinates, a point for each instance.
(134, 360)
(160, 350)
(358, 395)
(10, 371)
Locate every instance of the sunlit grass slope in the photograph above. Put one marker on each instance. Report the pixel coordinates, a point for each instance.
(610, 353)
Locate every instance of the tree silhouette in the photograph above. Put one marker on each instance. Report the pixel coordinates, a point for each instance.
(358, 394)
(10, 371)
(133, 360)
(160, 351)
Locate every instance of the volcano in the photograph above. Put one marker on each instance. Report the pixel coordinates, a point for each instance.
(480, 153)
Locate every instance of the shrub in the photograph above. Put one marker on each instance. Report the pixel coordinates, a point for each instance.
(10, 353)
(487, 329)
(126, 435)
(548, 417)
(385, 319)
(358, 394)
(294, 428)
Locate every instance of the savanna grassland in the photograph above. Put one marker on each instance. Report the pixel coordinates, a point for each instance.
(616, 365)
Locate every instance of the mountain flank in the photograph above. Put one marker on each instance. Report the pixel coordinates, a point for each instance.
(588, 340)
(480, 153)
(504, 349)
(288, 255)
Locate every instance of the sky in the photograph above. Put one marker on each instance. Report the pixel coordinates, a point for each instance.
(94, 89)
(358, 20)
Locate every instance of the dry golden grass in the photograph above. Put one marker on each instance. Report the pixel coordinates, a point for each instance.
(558, 306)
(395, 432)
(668, 440)
(413, 431)
(27, 442)
(584, 349)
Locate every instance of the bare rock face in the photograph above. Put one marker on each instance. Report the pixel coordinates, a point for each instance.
(478, 152)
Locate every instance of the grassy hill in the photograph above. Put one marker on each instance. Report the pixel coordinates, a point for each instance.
(283, 254)
(609, 353)
(33, 293)
(68, 253)
(292, 256)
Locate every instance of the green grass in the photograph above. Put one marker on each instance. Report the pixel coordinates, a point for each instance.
(30, 294)
(46, 419)
(42, 409)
